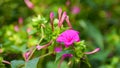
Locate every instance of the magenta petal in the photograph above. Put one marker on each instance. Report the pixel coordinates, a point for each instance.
(68, 37)
(67, 55)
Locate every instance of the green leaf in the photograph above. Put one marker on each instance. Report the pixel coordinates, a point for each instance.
(93, 32)
(2, 65)
(59, 55)
(32, 63)
(55, 65)
(17, 63)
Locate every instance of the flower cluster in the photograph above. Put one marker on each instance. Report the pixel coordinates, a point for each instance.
(65, 42)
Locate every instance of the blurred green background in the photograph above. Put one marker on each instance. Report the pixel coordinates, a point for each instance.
(98, 22)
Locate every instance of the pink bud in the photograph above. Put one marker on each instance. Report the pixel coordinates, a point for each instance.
(29, 4)
(26, 55)
(20, 20)
(68, 22)
(68, 2)
(94, 51)
(62, 18)
(16, 28)
(59, 13)
(75, 9)
(1, 50)
(28, 30)
(39, 47)
(51, 20)
(44, 46)
(51, 16)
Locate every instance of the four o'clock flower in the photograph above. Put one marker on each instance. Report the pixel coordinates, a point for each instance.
(68, 37)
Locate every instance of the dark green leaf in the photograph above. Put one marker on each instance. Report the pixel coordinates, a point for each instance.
(17, 63)
(32, 63)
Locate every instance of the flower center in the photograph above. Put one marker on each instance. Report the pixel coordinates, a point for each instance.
(69, 39)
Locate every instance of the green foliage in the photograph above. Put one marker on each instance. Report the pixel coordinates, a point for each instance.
(17, 64)
(93, 32)
(55, 65)
(22, 64)
(32, 63)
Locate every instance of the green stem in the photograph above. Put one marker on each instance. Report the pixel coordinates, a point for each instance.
(61, 60)
(31, 53)
(45, 55)
(42, 36)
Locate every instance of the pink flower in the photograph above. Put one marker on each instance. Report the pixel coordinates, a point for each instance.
(20, 20)
(58, 49)
(29, 4)
(75, 9)
(68, 37)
